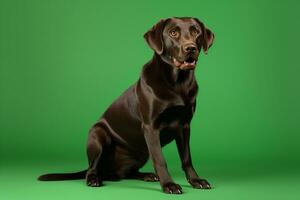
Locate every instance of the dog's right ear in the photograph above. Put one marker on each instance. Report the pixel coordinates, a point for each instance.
(154, 37)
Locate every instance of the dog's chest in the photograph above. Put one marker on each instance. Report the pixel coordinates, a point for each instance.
(183, 96)
(186, 96)
(170, 121)
(180, 107)
(175, 114)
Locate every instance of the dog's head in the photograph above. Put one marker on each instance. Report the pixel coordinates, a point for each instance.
(178, 41)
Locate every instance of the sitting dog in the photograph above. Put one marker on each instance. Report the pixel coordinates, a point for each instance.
(154, 111)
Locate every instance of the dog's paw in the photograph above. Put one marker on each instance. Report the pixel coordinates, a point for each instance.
(200, 183)
(150, 177)
(93, 180)
(172, 188)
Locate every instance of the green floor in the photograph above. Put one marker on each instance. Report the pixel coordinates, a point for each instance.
(18, 181)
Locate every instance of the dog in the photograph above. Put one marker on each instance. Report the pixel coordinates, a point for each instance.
(151, 113)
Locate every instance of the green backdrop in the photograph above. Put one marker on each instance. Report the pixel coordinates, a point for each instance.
(62, 62)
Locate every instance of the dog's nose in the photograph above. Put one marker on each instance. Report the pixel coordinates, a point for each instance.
(189, 48)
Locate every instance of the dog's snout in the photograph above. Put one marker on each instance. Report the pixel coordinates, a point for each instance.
(189, 48)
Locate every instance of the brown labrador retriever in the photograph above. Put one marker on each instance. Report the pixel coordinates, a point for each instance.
(151, 113)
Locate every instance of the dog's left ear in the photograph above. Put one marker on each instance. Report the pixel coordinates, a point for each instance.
(208, 36)
(208, 40)
(154, 37)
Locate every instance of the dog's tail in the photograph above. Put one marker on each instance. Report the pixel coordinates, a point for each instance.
(63, 176)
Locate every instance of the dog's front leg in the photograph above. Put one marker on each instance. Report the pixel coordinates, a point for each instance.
(183, 146)
(153, 142)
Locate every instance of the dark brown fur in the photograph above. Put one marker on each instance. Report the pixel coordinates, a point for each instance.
(154, 111)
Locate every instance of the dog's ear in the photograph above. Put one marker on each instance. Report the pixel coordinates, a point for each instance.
(208, 40)
(208, 36)
(154, 37)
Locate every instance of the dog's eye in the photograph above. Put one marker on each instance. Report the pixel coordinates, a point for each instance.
(195, 32)
(174, 33)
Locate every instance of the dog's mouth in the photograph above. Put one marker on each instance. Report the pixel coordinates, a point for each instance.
(189, 63)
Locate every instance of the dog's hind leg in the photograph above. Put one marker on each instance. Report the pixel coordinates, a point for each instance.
(97, 140)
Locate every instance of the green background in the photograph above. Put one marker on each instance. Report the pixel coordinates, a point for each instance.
(63, 62)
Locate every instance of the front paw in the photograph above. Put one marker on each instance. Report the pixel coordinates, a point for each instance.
(199, 183)
(172, 188)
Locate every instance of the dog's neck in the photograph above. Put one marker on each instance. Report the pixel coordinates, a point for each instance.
(170, 74)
